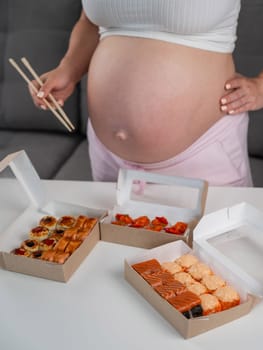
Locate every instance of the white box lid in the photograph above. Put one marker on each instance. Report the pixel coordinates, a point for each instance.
(40, 204)
(128, 177)
(234, 237)
(27, 176)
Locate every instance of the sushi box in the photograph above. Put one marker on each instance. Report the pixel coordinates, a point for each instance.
(143, 194)
(40, 206)
(230, 242)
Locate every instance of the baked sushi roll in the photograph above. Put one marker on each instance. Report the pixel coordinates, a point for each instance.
(65, 222)
(199, 270)
(82, 234)
(72, 246)
(71, 233)
(39, 233)
(55, 236)
(31, 245)
(60, 257)
(197, 288)
(48, 221)
(184, 277)
(37, 254)
(80, 221)
(210, 304)
(89, 223)
(47, 243)
(61, 245)
(172, 267)
(212, 282)
(21, 251)
(227, 296)
(186, 261)
(48, 255)
(58, 231)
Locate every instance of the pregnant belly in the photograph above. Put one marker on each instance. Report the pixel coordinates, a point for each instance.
(149, 100)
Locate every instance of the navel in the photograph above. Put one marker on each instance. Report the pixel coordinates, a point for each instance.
(121, 135)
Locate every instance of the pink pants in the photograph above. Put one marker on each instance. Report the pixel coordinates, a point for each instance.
(219, 156)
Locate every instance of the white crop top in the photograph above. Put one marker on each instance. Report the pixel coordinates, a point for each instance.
(204, 24)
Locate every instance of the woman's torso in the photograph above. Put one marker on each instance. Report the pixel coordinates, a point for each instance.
(150, 99)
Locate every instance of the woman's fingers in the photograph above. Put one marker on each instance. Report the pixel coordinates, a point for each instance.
(41, 92)
(34, 94)
(244, 94)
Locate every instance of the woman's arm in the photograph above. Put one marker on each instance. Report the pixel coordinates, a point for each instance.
(82, 44)
(243, 94)
(62, 80)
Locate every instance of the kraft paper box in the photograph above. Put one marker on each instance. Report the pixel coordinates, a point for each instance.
(40, 206)
(230, 241)
(141, 193)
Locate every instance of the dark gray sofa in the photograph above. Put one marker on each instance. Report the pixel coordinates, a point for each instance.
(39, 30)
(249, 61)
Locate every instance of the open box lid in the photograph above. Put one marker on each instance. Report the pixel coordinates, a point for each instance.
(40, 204)
(27, 176)
(128, 177)
(234, 237)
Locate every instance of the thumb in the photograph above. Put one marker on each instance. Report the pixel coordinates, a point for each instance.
(45, 89)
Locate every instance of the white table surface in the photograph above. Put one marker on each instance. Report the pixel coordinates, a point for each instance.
(97, 308)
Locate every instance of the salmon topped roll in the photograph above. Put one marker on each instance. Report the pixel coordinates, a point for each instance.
(185, 301)
(148, 266)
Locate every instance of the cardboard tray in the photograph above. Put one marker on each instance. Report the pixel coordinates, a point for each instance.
(40, 206)
(186, 327)
(230, 241)
(173, 203)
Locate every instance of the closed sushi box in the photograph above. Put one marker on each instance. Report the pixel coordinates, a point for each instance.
(156, 197)
(40, 206)
(230, 243)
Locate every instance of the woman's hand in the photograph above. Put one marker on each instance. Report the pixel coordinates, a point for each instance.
(57, 82)
(243, 94)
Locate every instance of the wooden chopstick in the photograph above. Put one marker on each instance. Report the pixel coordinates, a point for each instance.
(34, 74)
(23, 75)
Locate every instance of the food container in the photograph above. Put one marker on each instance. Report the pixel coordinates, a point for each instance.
(142, 193)
(230, 241)
(40, 206)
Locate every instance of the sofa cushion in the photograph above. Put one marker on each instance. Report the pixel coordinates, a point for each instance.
(249, 61)
(257, 171)
(77, 167)
(47, 151)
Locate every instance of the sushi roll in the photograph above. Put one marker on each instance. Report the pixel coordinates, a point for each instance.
(227, 296)
(210, 304)
(186, 261)
(49, 222)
